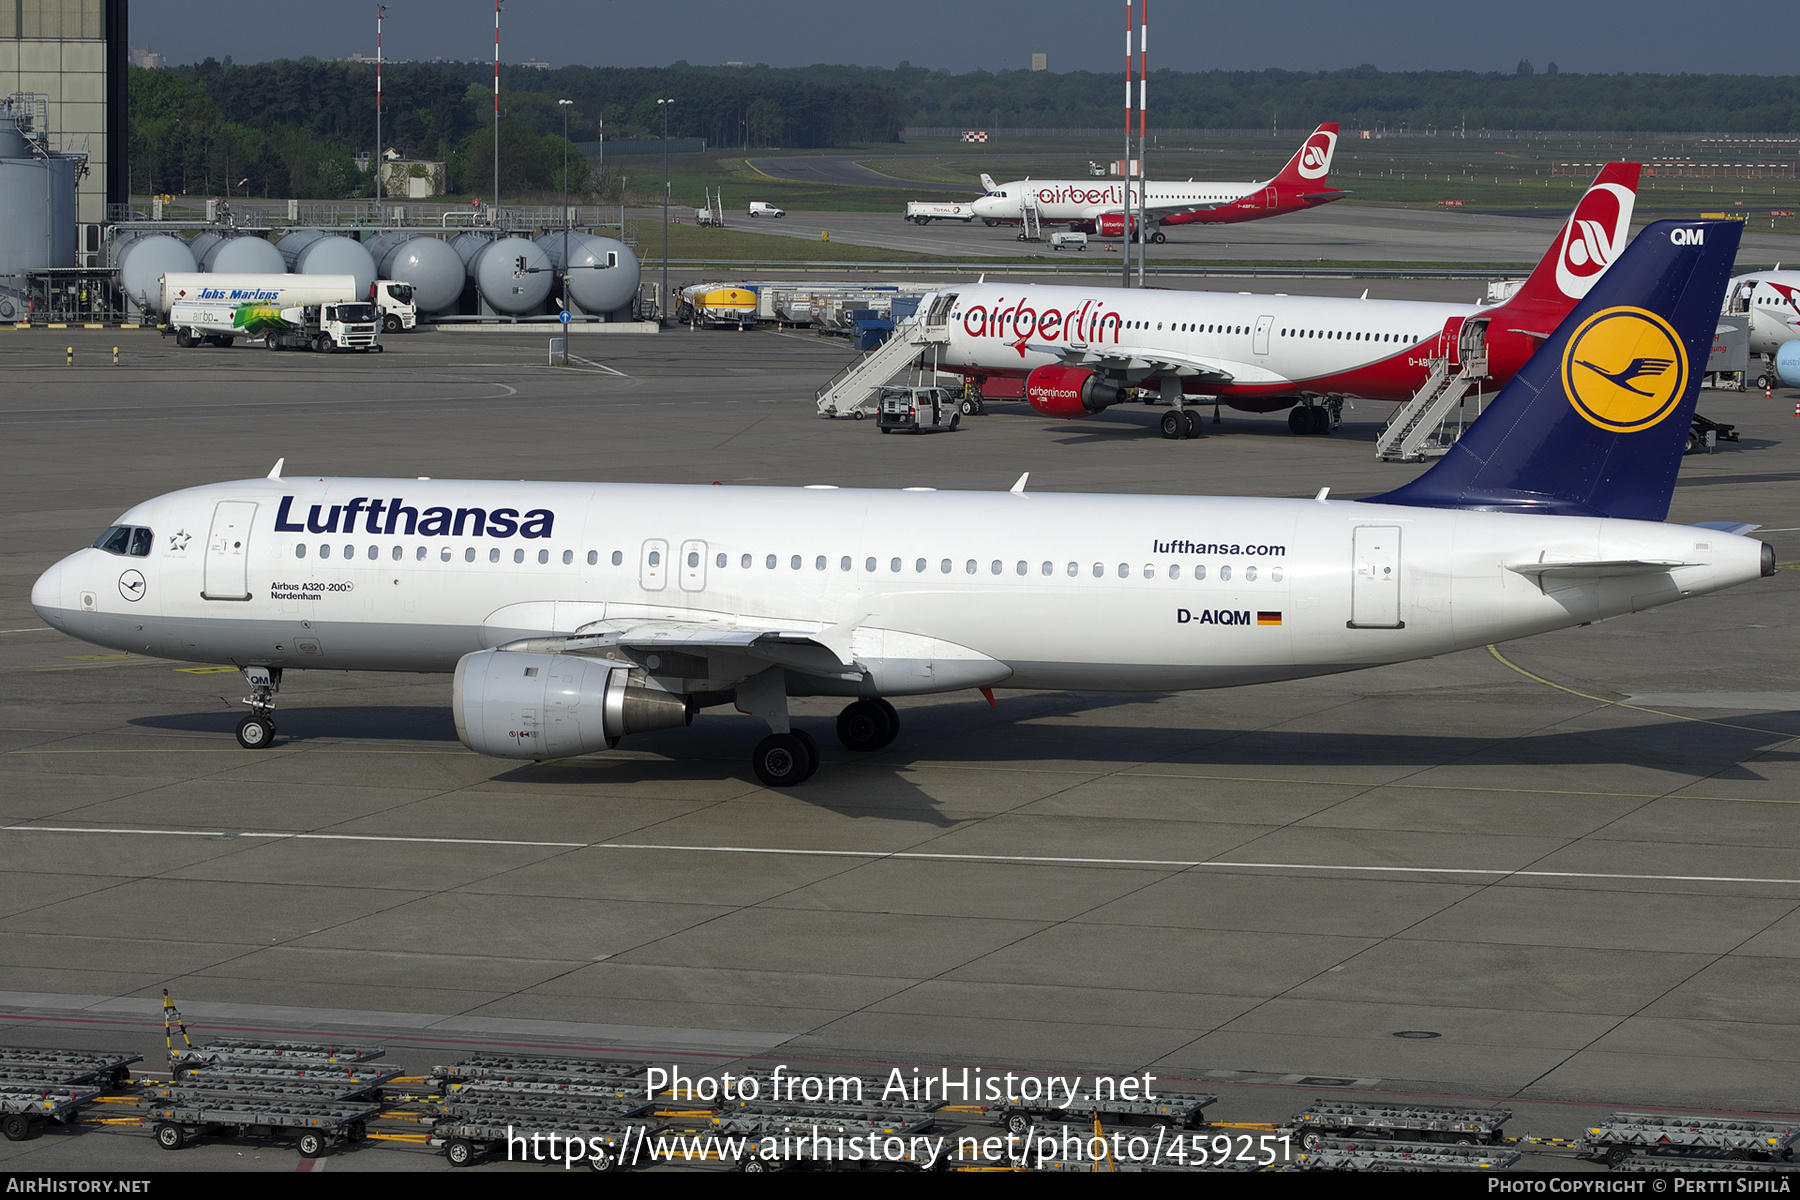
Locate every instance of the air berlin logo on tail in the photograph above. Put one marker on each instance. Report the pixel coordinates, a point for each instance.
(1593, 237)
(1315, 156)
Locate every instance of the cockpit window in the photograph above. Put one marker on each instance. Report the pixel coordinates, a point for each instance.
(126, 539)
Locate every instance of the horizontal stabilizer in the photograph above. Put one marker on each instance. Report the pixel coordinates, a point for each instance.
(1738, 527)
(1600, 569)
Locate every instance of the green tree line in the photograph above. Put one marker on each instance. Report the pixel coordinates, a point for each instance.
(291, 127)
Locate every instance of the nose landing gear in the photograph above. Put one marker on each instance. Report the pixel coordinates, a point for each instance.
(257, 731)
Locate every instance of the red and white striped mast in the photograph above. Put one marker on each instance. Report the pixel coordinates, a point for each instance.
(380, 12)
(494, 213)
(1143, 161)
(1125, 163)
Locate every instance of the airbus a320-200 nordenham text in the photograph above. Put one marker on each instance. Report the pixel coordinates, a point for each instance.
(576, 614)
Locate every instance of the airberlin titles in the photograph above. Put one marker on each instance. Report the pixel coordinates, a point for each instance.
(434, 521)
(1089, 323)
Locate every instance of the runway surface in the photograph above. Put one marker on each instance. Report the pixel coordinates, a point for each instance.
(1572, 860)
(1336, 233)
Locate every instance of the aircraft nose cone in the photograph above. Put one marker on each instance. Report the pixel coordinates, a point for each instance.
(47, 594)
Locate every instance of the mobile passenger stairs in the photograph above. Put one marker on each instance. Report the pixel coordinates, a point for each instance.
(1420, 428)
(1031, 225)
(851, 392)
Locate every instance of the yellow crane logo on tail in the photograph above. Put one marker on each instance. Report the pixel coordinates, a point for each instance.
(1624, 369)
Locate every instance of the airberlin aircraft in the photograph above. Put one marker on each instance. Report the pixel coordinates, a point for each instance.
(574, 614)
(1080, 348)
(1770, 303)
(1090, 206)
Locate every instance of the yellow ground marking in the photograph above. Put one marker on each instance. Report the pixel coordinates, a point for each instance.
(1655, 712)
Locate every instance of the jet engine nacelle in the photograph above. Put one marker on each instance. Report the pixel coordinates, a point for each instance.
(1058, 391)
(1787, 364)
(512, 704)
(1112, 224)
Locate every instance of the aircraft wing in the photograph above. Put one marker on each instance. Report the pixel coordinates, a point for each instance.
(728, 651)
(1151, 360)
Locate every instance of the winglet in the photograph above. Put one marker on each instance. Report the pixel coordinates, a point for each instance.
(275, 471)
(1018, 489)
(1323, 493)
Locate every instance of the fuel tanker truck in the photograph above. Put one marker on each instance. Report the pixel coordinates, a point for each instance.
(393, 298)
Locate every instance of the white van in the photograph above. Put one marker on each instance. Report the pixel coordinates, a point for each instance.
(762, 208)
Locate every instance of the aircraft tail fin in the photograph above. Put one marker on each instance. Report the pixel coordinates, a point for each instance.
(1595, 424)
(988, 185)
(1594, 235)
(1312, 162)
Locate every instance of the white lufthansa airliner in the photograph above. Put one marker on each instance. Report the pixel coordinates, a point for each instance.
(576, 614)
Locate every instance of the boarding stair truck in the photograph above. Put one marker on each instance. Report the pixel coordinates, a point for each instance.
(393, 297)
(924, 212)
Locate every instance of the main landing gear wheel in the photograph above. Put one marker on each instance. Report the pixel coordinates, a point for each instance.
(867, 725)
(1321, 420)
(1158, 238)
(255, 733)
(784, 759)
(1174, 424)
(1194, 428)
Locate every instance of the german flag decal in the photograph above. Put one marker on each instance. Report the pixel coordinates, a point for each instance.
(1268, 618)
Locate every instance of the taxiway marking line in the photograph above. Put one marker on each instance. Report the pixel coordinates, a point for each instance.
(1655, 712)
(1056, 860)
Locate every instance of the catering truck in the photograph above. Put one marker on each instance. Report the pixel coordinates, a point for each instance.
(393, 298)
(347, 325)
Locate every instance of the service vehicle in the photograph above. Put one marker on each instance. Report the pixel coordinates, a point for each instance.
(393, 297)
(924, 212)
(322, 327)
(915, 409)
(1068, 241)
(762, 208)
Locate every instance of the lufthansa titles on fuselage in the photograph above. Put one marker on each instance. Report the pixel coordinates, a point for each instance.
(432, 521)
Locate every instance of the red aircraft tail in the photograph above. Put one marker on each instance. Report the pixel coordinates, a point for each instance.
(1594, 235)
(1312, 163)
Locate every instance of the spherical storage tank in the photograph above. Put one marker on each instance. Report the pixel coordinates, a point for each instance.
(246, 255)
(143, 261)
(434, 269)
(604, 274)
(494, 267)
(322, 255)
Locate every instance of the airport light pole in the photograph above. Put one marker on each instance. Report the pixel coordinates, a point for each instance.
(565, 105)
(662, 305)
